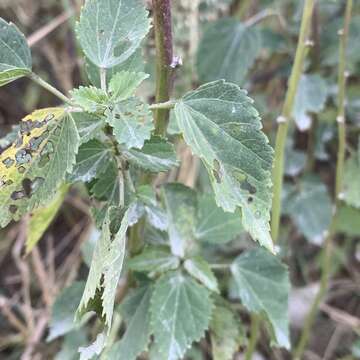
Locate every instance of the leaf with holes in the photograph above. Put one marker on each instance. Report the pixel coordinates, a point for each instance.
(223, 128)
(33, 168)
(132, 122)
(15, 55)
(262, 284)
(227, 51)
(110, 31)
(180, 314)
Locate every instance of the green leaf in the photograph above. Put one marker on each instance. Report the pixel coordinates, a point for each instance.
(63, 310)
(42, 217)
(105, 270)
(10, 137)
(180, 204)
(33, 168)
(213, 224)
(154, 260)
(262, 283)
(88, 352)
(351, 183)
(135, 63)
(355, 349)
(311, 97)
(90, 98)
(200, 270)
(227, 51)
(157, 155)
(110, 31)
(91, 161)
(124, 84)
(137, 334)
(348, 221)
(309, 205)
(89, 126)
(180, 314)
(15, 55)
(225, 333)
(223, 128)
(132, 122)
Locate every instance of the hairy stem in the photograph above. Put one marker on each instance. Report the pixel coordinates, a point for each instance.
(164, 59)
(166, 105)
(327, 249)
(283, 120)
(103, 79)
(38, 80)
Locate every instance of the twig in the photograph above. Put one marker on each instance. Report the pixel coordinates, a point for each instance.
(44, 31)
(12, 317)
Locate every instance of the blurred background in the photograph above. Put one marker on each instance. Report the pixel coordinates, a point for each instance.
(35, 316)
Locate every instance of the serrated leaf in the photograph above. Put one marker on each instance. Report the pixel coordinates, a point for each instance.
(91, 161)
(15, 55)
(351, 183)
(262, 283)
(105, 271)
(124, 84)
(134, 63)
(137, 334)
(63, 310)
(132, 122)
(33, 168)
(154, 260)
(200, 270)
(309, 206)
(213, 224)
(89, 126)
(90, 98)
(180, 204)
(110, 31)
(225, 333)
(180, 314)
(311, 97)
(227, 51)
(223, 128)
(42, 217)
(157, 155)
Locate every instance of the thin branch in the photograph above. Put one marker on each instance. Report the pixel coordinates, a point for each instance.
(164, 59)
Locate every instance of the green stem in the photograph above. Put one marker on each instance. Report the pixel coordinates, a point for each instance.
(38, 80)
(103, 79)
(254, 335)
(164, 59)
(283, 120)
(327, 249)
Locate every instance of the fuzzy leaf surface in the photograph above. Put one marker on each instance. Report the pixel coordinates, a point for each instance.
(223, 128)
(199, 269)
(32, 169)
(213, 224)
(110, 31)
(15, 55)
(262, 284)
(124, 84)
(227, 51)
(88, 125)
(132, 122)
(157, 155)
(91, 161)
(180, 314)
(90, 98)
